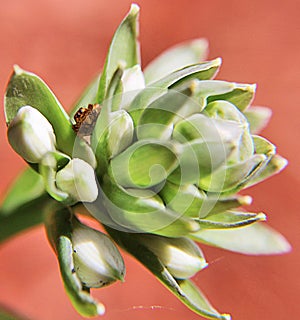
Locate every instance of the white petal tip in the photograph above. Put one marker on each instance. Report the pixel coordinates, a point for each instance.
(134, 9)
(100, 309)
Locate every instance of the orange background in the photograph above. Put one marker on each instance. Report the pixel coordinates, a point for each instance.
(65, 42)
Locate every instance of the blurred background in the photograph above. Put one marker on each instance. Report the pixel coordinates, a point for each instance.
(65, 43)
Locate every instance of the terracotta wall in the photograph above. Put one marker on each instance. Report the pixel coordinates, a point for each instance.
(65, 43)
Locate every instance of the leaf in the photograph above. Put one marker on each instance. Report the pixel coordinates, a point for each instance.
(58, 227)
(25, 88)
(241, 96)
(255, 239)
(258, 118)
(124, 48)
(184, 290)
(144, 164)
(195, 203)
(228, 177)
(176, 57)
(157, 120)
(230, 219)
(27, 186)
(274, 166)
(175, 80)
(25, 216)
(142, 211)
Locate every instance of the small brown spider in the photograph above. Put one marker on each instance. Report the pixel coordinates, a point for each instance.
(85, 119)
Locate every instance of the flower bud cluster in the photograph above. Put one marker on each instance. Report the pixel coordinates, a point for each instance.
(32, 136)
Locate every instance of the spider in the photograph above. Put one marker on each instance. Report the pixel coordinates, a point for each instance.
(85, 119)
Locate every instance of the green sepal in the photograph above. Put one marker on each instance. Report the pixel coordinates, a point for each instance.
(184, 290)
(144, 164)
(229, 177)
(241, 96)
(175, 80)
(59, 228)
(124, 48)
(142, 211)
(194, 203)
(25, 88)
(27, 186)
(230, 219)
(198, 159)
(176, 57)
(258, 118)
(255, 239)
(157, 120)
(49, 165)
(273, 166)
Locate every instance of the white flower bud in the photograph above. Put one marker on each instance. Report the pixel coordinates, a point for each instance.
(97, 261)
(78, 180)
(31, 134)
(181, 256)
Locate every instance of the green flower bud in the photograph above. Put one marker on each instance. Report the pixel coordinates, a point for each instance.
(31, 135)
(181, 256)
(97, 261)
(77, 179)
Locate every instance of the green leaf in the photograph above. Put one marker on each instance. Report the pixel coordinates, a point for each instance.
(157, 120)
(241, 96)
(144, 164)
(228, 177)
(230, 219)
(124, 48)
(177, 57)
(184, 290)
(255, 239)
(142, 211)
(27, 186)
(274, 166)
(25, 88)
(50, 164)
(258, 118)
(58, 227)
(195, 203)
(22, 217)
(198, 159)
(175, 80)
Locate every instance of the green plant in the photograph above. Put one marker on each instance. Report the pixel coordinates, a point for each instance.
(157, 157)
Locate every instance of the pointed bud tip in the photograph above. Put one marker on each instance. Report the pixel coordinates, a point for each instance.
(245, 200)
(226, 316)
(217, 62)
(261, 216)
(100, 309)
(280, 162)
(134, 9)
(17, 69)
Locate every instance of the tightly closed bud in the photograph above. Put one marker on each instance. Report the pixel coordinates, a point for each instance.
(31, 135)
(77, 179)
(97, 261)
(181, 256)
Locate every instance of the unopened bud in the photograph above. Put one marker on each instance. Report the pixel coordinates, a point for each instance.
(78, 180)
(97, 261)
(31, 135)
(181, 256)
